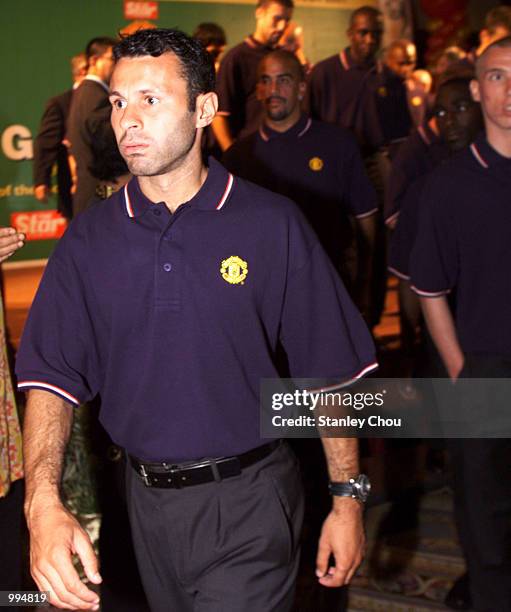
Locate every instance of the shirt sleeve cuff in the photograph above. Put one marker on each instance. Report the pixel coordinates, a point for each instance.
(398, 273)
(26, 385)
(431, 294)
(366, 214)
(347, 382)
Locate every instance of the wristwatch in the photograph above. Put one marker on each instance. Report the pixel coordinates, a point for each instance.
(358, 488)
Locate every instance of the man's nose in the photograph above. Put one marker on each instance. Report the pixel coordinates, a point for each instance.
(129, 118)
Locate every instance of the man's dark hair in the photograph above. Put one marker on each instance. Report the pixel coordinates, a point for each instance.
(196, 65)
(285, 3)
(499, 16)
(284, 56)
(210, 34)
(455, 80)
(367, 11)
(98, 46)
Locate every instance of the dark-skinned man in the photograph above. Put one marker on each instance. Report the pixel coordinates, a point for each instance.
(319, 167)
(336, 81)
(463, 247)
(239, 111)
(315, 164)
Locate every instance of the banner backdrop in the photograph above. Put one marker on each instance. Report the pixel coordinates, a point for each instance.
(38, 39)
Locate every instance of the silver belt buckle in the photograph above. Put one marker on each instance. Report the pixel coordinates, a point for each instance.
(145, 476)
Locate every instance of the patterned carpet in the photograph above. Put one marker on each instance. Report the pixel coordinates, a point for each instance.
(413, 556)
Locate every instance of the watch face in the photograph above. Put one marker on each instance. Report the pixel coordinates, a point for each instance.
(362, 487)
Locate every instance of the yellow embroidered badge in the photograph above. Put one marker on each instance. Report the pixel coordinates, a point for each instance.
(316, 164)
(234, 270)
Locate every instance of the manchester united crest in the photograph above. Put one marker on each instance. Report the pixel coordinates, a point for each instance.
(234, 270)
(316, 164)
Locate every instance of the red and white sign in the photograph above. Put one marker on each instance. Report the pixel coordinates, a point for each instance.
(140, 9)
(39, 224)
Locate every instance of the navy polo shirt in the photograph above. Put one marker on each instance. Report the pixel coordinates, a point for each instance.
(405, 232)
(463, 244)
(334, 86)
(175, 318)
(381, 117)
(316, 165)
(418, 155)
(236, 86)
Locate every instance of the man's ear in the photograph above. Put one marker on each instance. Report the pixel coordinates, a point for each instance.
(206, 107)
(302, 87)
(475, 91)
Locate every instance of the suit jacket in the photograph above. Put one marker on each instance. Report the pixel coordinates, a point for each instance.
(48, 149)
(89, 123)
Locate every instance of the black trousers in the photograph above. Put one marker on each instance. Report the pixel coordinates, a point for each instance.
(230, 546)
(482, 488)
(11, 525)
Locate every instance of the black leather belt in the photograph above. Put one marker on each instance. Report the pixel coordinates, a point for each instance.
(177, 476)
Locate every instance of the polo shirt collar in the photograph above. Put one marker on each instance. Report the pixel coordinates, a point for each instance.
(295, 131)
(213, 194)
(485, 155)
(348, 63)
(428, 136)
(251, 42)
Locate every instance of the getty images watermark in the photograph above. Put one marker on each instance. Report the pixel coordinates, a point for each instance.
(386, 408)
(320, 403)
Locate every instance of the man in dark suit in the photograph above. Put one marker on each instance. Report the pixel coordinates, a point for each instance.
(49, 147)
(89, 120)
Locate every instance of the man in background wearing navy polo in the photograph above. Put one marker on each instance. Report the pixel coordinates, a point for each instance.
(463, 246)
(172, 300)
(335, 82)
(239, 111)
(316, 165)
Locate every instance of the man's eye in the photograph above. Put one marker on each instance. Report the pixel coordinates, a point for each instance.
(152, 100)
(495, 76)
(440, 113)
(119, 104)
(462, 107)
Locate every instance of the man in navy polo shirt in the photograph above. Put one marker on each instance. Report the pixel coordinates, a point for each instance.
(239, 111)
(464, 230)
(336, 81)
(172, 300)
(315, 164)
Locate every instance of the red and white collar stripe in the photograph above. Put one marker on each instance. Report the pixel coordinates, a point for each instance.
(344, 60)
(250, 42)
(127, 202)
(423, 135)
(307, 126)
(264, 136)
(478, 156)
(262, 133)
(221, 202)
(227, 192)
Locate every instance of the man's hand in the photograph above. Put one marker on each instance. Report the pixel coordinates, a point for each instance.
(10, 241)
(55, 536)
(41, 193)
(342, 536)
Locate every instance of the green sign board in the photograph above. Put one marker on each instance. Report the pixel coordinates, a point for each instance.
(38, 39)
